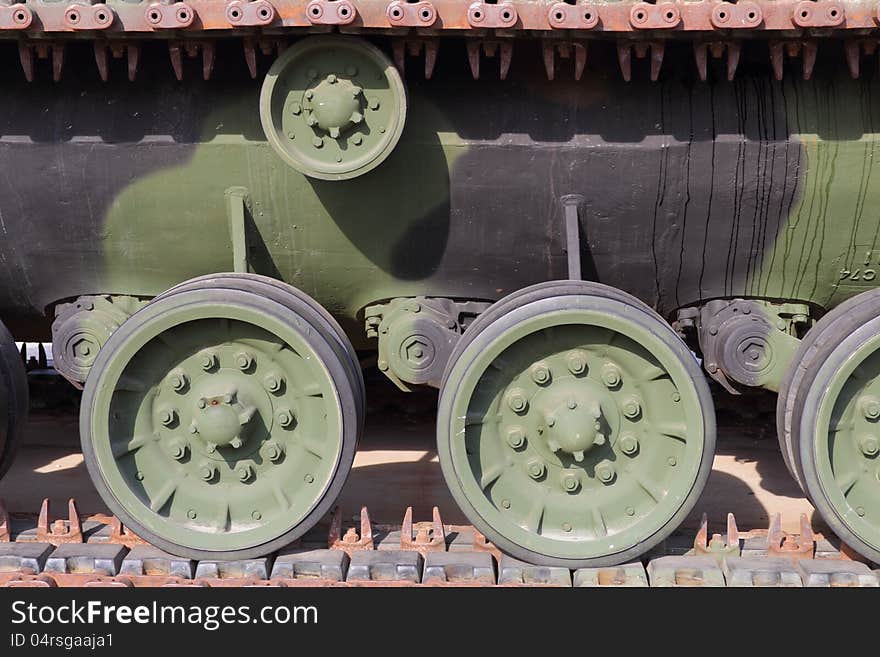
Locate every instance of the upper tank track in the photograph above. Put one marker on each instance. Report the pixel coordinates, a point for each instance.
(791, 27)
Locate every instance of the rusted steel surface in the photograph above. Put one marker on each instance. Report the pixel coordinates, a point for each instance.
(98, 552)
(217, 16)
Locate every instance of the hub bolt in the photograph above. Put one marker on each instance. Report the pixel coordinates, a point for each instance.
(207, 471)
(540, 374)
(244, 361)
(605, 471)
(256, 515)
(191, 514)
(566, 526)
(272, 382)
(235, 443)
(245, 473)
(536, 469)
(167, 416)
(631, 408)
(202, 403)
(177, 449)
(285, 418)
(207, 360)
(577, 362)
(570, 483)
(178, 380)
(611, 375)
(629, 444)
(870, 407)
(869, 445)
(517, 401)
(273, 451)
(516, 438)
(357, 139)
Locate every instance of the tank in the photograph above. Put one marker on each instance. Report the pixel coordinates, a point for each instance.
(570, 219)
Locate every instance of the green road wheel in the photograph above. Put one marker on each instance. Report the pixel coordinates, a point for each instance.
(831, 328)
(13, 399)
(333, 107)
(837, 412)
(218, 423)
(298, 302)
(575, 429)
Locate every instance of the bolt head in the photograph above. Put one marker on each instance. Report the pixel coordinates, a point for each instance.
(207, 472)
(167, 416)
(540, 374)
(536, 469)
(869, 445)
(517, 401)
(273, 451)
(870, 407)
(207, 360)
(570, 483)
(605, 472)
(244, 361)
(629, 444)
(309, 478)
(285, 418)
(611, 375)
(332, 79)
(236, 442)
(516, 438)
(383, 365)
(191, 514)
(631, 408)
(272, 382)
(296, 109)
(310, 94)
(244, 472)
(374, 104)
(178, 381)
(318, 142)
(577, 362)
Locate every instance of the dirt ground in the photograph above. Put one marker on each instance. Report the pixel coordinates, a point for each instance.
(397, 466)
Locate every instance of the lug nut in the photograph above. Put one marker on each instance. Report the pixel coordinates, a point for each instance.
(631, 408)
(273, 451)
(540, 374)
(611, 375)
(207, 471)
(870, 407)
(244, 472)
(572, 404)
(516, 438)
(178, 380)
(605, 471)
(272, 382)
(517, 401)
(577, 362)
(202, 403)
(536, 469)
(235, 443)
(570, 483)
(869, 445)
(191, 514)
(629, 444)
(285, 418)
(296, 109)
(177, 449)
(207, 360)
(244, 361)
(167, 416)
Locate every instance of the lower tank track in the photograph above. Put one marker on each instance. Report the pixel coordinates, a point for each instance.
(97, 551)
(639, 30)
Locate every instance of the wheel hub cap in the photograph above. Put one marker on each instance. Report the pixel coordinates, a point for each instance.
(334, 105)
(572, 417)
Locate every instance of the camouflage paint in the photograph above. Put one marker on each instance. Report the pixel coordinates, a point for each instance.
(692, 190)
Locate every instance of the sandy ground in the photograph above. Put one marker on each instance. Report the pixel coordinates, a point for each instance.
(397, 465)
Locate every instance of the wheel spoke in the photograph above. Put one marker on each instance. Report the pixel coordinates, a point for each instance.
(599, 522)
(120, 449)
(163, 496)
(491, 475)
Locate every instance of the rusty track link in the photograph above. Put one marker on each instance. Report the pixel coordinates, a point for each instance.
(790, 28)
(97, 551)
